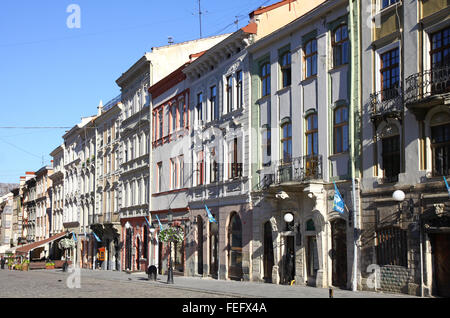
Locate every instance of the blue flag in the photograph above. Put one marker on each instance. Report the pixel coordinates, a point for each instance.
(448, 188)
(160, 225)
(147, 221)
(96, 237)
(210, 216)
(74, 237)
(338, 204)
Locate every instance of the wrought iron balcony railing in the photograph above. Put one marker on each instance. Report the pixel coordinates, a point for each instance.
(386, 103)
(427, 83)
(299, 169)
(266, 181)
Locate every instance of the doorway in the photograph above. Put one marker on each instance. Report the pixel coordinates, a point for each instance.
(441, 261)
(312, 260)
(200, 245)
(235, 247)
(268, 260)
(289, 259)
(214, 248)
(138, 252)
(128, 248)
(339, 253)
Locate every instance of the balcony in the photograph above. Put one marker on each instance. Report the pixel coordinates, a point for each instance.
(387, 103)
(300, 169)
(265, 181)
(427, 89)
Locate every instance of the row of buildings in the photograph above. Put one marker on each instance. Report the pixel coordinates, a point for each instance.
(260, 126)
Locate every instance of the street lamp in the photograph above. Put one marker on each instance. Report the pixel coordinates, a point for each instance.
(399, 197)
(170, 272)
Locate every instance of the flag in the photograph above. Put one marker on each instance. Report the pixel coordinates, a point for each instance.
(74, 237)
(338, 204)
(160, 225)
(448, 188)
(210, 216)
(96, 237)
(147, 221)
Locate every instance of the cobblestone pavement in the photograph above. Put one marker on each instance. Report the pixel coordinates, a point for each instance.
(108, 284)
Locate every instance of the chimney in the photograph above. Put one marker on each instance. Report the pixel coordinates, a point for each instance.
(100, 108)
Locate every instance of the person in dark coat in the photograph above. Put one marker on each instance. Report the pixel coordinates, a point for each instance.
(290, 267)
(2, 262)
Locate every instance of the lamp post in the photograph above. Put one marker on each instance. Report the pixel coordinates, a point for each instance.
(170, 272)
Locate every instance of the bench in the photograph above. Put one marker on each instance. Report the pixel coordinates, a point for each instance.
(60, 263)
(36, 265)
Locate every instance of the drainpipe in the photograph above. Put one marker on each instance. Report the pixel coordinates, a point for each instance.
(352, 143)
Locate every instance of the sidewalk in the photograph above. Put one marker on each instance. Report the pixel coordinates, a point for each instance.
(238, 289)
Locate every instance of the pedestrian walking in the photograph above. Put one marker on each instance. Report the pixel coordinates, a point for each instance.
(2, 262)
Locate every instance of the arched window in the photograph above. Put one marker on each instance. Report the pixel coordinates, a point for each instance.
(310, 58)
(312, 147)
(440, 144)
(341, 129)
(265, 79)
(340, 45)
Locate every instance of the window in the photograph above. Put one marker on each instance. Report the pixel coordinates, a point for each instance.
(173, 114)
(286, 141)
(239, 89)
(266, 146)
(440, 144)
(341, 129)
(229, 94)
(440, 48)
(200, 168)
(213, 166)
(311, 58)
(212, 103)
(159, 176)
(390, 74)
(265, 79)
(340, 46)
(160, 123)
(198, 107)
(181, 171)
(285, 64)
(235, 167)
(391, 246)
(387, 3)
(181, 113)
(174, 173)
(391, 157)
(311, 135)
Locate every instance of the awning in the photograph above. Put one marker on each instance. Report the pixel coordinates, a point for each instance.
(26, 248)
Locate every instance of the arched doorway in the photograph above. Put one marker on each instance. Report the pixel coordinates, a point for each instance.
(138, 252)
(213, 249)
(128, 249)
(268, 260)
(339, 252)
(312, 257)
(235, 247)
(200, 245)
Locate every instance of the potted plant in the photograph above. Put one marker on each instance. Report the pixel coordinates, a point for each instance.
(10, 263)
(49, 265)
(25, 265)
(18, 267)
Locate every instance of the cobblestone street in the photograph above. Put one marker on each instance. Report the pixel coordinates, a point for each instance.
(108, 284)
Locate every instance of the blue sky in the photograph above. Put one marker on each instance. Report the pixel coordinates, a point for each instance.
(52, 75)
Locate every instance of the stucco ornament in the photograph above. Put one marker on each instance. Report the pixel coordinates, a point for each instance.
(439, 209)
(171, 234)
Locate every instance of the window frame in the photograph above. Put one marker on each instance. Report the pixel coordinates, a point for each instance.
(264, 77)
(286, 139)
(340, 46)
(314, 132)
(239, 89)
(312, 56)
(286, 68)
(340, 126)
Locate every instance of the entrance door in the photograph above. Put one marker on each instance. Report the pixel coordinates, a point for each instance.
(200, 245)
(138, 253)
(214, 248)
(235, 247)
(289, 259)
(160, 248)
(268, 261)
(441, 264)
(128, 259)
(312, 260)
(339, 253)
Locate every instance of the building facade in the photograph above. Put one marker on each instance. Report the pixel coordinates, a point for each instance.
(301, 119)
(405, 140)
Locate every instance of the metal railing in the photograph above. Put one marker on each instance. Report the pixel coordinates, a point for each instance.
(299, 169)
(387, 102)
(265, 181)
(427, 83)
